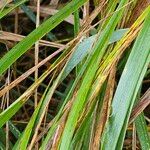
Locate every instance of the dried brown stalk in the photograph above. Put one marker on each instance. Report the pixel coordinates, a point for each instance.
(143, 103)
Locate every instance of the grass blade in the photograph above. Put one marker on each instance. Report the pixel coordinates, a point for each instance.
(142, 132)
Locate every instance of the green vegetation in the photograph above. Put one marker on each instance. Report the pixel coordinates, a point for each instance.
(79, 78)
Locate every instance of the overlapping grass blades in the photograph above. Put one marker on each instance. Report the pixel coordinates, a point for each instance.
(79, 54)
(127, 89)
(82, 50)
(87, 103)
(18, 50)
(98, 52)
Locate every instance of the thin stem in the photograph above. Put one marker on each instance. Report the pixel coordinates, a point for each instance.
(37, 51)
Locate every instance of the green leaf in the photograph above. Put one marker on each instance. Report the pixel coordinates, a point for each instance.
(76, 22)
(142, 132)
(141, 128)
(84, 48)
(14, 130)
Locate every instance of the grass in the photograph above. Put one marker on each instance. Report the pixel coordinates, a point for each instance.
(85, 93)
